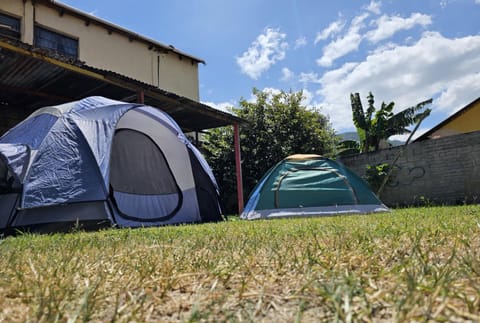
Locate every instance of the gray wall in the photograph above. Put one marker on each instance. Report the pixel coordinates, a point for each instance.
(439, 171)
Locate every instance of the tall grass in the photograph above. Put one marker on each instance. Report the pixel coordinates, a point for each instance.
(409, 265)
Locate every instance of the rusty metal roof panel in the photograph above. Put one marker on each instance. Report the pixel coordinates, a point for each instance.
(14, 71)
(32, 78)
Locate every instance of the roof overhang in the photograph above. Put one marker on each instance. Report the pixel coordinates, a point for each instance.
(428, 135)
(32, 78)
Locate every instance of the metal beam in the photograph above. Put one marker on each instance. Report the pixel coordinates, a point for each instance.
(238, 167)
(51, 60)
(34, 93)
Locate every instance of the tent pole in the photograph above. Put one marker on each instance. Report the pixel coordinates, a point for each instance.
(238, 167)
(140, 97)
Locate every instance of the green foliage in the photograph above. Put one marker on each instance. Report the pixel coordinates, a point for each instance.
(375, 174)
(373, 125)
(348, 147)
(278, 125)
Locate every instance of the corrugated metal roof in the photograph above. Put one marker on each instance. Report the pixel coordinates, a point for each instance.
(31, 78)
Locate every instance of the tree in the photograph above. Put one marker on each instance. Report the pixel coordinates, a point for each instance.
(278, 125)
(348, 147)
(373, 125)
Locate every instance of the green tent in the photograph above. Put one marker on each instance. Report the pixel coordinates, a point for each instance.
(310, 185)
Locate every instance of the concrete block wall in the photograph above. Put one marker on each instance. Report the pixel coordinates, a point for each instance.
(438, 171)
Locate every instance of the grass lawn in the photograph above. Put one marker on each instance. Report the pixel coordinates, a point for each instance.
(411, 264)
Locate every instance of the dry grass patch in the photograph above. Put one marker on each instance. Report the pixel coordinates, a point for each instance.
(412, 264)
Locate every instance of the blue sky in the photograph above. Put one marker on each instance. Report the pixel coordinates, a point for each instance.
(404, 51)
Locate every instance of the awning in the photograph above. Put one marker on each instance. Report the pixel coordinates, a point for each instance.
(31, 78)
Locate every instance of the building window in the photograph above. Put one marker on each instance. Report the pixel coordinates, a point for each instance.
(62, 44)
(9, 26)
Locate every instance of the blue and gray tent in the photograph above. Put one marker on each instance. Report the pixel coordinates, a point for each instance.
(310, 185)
(99, 161)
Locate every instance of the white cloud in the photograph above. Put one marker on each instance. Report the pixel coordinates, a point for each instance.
(308, 98)
(223, 106)
(269, 90)
(265, 51)
(420, 131)
(374, 7)
(387, 26)
(287, 75)
(463, 91)
(477, 1)
(385, 47)
(309, 78)
(332, 29)
(300, 42)
(343, 45)
(434, 66)
(339, 73)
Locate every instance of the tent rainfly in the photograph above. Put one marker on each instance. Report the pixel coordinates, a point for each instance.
(310, 185)
(98, 161)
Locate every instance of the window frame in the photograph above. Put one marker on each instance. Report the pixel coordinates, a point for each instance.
(11, 27)
(55, 38)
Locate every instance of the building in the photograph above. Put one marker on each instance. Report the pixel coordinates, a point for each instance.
(51, 53)
(74, 34)
(464, 121)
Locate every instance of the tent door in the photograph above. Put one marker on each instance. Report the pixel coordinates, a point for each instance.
(313, 186)
(142, 184)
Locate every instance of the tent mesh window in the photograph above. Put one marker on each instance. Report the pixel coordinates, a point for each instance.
(139, 169)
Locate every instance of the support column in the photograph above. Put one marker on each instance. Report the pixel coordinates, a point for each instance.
(28, 22)
(140, 97)
(238, 167)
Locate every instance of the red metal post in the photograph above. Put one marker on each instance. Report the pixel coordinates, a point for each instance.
(238, 167)
(140, 97)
